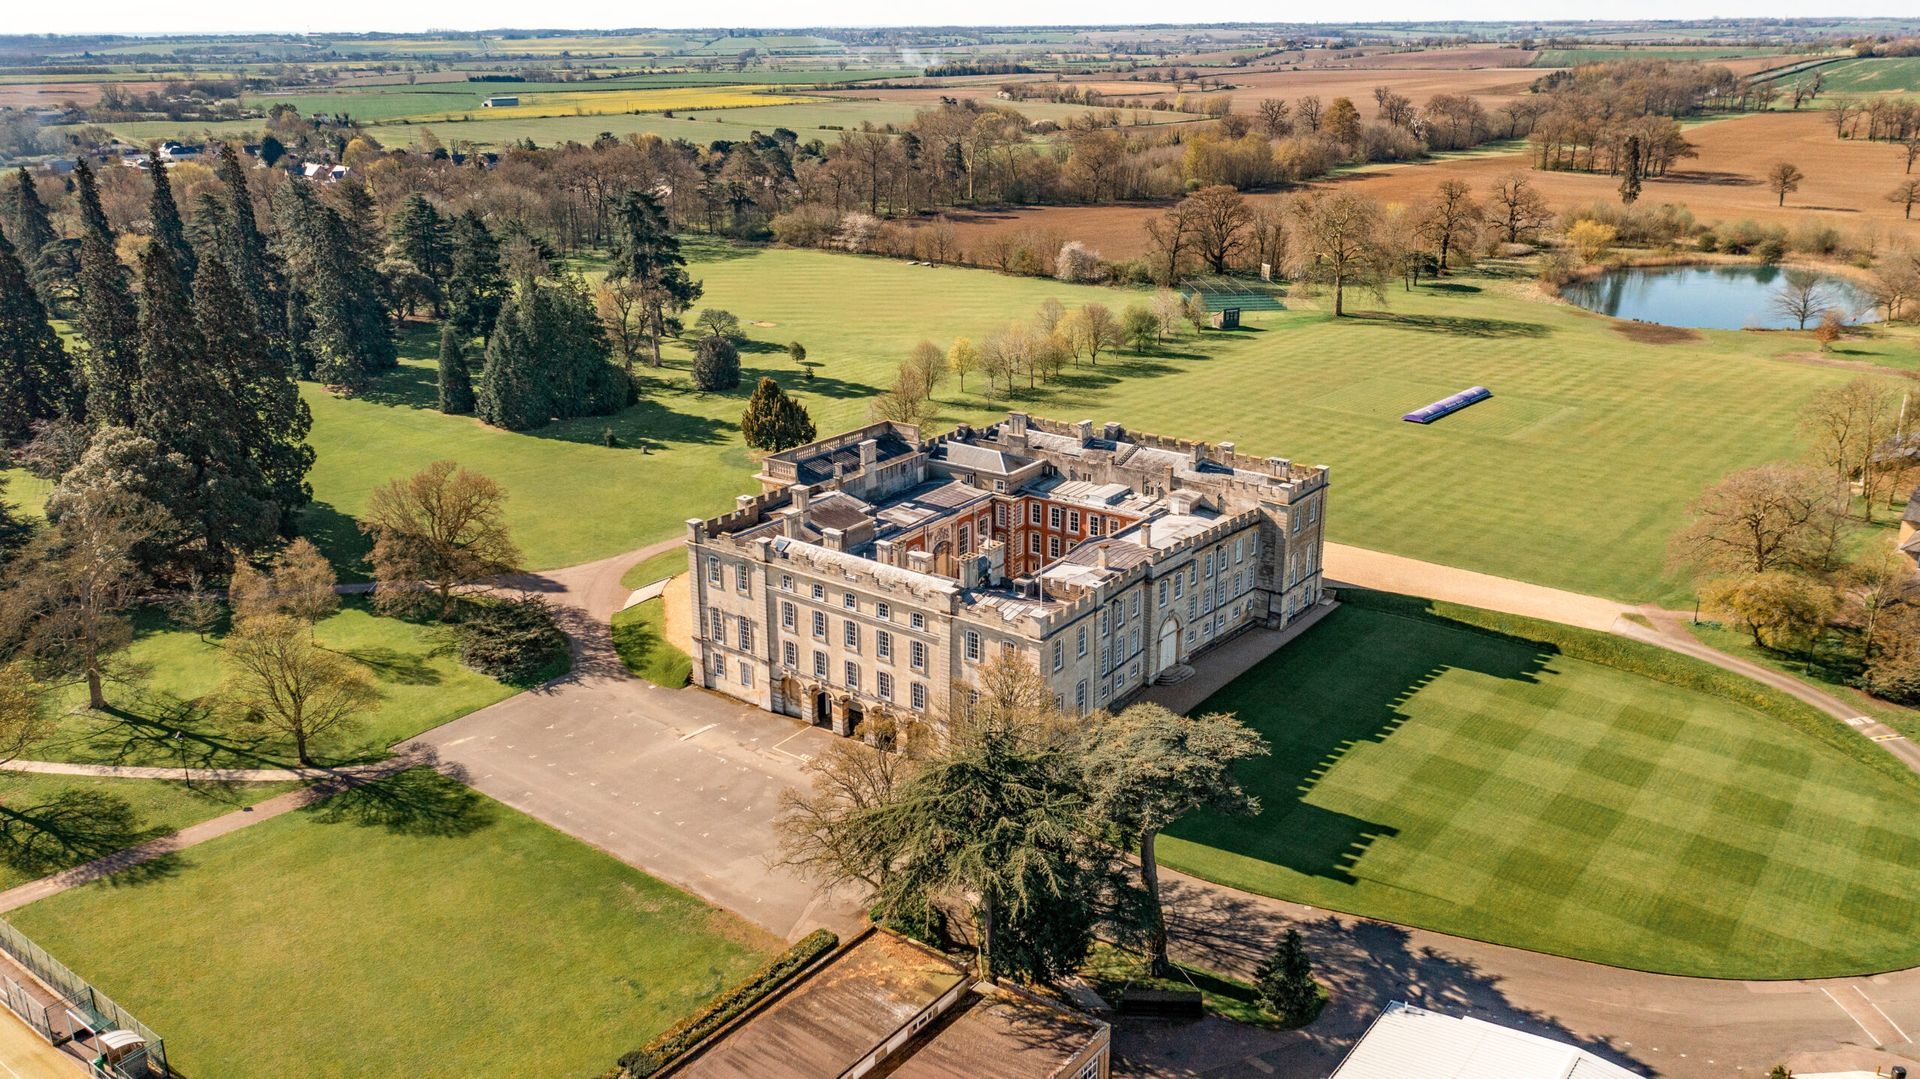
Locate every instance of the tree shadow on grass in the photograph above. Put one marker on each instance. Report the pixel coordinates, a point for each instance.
(393, 665)
(1456, 287)
(420, 801)
(411, 385)
(158, 729)
(1406, 646)
(71, 828)
(649, 425)
(1451, 324)
(339, 537)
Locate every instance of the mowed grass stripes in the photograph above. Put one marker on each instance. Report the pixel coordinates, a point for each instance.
(1487, 786)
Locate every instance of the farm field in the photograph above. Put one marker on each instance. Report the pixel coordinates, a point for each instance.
(1601, 54)
(1846, 185)
(413, 927)
(164, 715)
(1895, 75)
(1434, 774)
(1593, 445)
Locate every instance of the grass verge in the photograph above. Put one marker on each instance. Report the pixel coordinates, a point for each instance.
(639, 637)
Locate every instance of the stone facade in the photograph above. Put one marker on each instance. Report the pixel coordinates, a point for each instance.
(877, 571)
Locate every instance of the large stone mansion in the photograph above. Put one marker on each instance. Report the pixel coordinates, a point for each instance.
(876, 571)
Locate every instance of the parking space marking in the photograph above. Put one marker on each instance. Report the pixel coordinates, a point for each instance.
(1868, 1031)
(1883, 1014)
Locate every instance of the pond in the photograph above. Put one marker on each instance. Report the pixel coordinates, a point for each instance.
(1715, 297)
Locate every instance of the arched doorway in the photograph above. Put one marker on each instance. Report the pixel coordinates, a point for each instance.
(822, 709)
(943, 559)
(851, 714)
(1169, 650)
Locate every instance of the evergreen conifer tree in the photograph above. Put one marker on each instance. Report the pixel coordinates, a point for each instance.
(476, 285)
(106, 313)
(548, 358)
(270, 421)
(183, 404)
(1284, 982)
(168, 229)
(30, 228)
(340, 317)
(36, 376)
(646, 252)
(252, 266)
(456, 383)
(716, 364)
(418, 236)
(773, 421)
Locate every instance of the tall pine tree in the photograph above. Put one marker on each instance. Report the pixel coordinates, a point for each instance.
(456, 382)
(646, 253)
(36, 377)
(339, 318)
(476, 285)
(183, 404)
(30, 228)
(106, 313)
(271, 422)
(251, 264)
(418, 236)
(168, 229)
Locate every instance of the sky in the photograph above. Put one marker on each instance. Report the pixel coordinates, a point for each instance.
(338, 16)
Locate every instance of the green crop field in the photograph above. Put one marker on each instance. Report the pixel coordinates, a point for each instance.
(411, 927)
(1866, 75)
(1574, 57)
(1574, 475)
(164, 710)
(1489, 786)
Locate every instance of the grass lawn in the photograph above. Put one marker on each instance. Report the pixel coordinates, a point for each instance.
(643, 646)
(165, 714)
(1488, 786)
(647, 571)
(411, 928)
(49, 823)
(1593, 443)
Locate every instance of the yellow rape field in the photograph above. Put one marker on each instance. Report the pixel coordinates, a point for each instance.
(600, 102)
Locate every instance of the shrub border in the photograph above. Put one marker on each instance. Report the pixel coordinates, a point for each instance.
(1648, 661)
(675, 1041)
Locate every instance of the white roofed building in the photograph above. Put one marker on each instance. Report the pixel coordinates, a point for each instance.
(1406, 1042)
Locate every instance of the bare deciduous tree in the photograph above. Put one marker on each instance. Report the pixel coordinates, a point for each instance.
(435, 533)
(1335, 241)
(280, 677)
(1800, 297)
(1760, 519)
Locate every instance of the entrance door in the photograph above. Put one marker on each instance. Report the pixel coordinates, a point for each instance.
(822, 710)
(1169, 653)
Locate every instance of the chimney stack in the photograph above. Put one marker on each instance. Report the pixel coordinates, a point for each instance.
(1084, 429)
(742, 503)
(869, 453)
(798, 494)
(1226, 452)
(1100, 559)
(833, 539)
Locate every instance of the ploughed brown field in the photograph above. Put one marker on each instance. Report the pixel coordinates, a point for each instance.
(26, 95)
(1846, 185)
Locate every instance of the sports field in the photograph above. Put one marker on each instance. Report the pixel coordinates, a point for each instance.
(411, 928)
(1574, 476)
(1437, 775)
